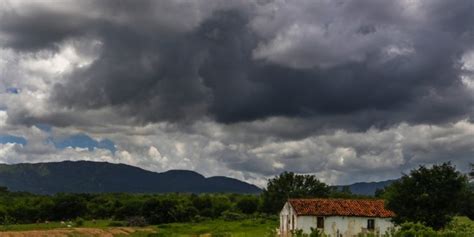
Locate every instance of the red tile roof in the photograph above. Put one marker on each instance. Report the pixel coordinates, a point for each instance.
(340, 207)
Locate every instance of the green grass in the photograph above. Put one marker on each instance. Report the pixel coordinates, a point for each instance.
(52, 225)
(242, 228)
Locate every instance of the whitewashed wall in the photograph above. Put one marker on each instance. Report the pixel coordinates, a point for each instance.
(286, 220)
(343, 225)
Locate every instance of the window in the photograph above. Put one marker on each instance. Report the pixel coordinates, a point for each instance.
(370, 224)
(320, 222)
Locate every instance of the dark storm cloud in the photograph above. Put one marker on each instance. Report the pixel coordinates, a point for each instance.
(154, 67)
(40, 29)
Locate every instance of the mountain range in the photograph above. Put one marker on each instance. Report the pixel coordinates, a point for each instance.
(99, 177)
(367, 188)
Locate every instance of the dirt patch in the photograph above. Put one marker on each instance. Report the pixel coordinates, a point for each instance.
(106, 232)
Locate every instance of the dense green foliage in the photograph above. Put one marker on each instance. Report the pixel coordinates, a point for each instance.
(431, 196)
(21, 207)
(456, 228)
(471, 174)
(18, 207)
(290, 185)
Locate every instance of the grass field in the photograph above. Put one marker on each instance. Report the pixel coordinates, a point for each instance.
(53, 225)
(244, 228)
(210, 228)
(241, 228)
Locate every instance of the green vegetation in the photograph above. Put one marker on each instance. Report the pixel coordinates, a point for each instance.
(458, 227)
(431, 196)
(135, 209)
(290, 185)
(152, 209)
(255, 227)
(249, 227)
(54, 225)
(425, 201)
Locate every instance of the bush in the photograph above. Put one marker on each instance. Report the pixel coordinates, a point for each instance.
(232, 216)
(137, 221)
(198, 218)
(316, 233)
(459, 228)
(79, 221)
(248, 205)
(116, 224)
(454, 229)
(410, 229)
(298, 233)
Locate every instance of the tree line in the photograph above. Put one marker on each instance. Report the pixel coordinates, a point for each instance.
(19, 207)
(428, 195)
(22, 207)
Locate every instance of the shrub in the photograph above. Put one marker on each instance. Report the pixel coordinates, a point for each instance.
(298, 233)
(116, 224)
(316, 233)
(79, 221)
(232, 216)
(410, 229)
(248, 205)
(198, 218)
(137, 221)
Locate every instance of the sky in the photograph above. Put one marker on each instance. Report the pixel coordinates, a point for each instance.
(347, 90)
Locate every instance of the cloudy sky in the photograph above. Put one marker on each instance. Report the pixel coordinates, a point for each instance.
(348, 90)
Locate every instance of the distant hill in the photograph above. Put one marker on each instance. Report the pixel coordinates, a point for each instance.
(367, 188)
(99, 177)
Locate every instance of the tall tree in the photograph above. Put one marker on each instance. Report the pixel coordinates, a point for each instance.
(471, 174)
(467, 207)
(427, 195)
(291, 185)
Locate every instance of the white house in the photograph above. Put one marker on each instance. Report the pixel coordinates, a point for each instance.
(336, 217)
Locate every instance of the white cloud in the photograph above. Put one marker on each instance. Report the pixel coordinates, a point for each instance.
(3, 118)
(71, 55)
(335, 157)
(304, 35)
(155, 154)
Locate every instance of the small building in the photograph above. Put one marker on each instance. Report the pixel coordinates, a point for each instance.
(336, 217)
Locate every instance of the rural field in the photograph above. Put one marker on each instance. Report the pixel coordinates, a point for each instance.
(221, 228)
(241, 228)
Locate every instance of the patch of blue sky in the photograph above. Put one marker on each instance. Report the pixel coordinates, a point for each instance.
(4, 139)
(44, 127)
(13, 90)
(85, 141)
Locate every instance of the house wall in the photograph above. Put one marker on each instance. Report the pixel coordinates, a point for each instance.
(287, 216)
(343, 225)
